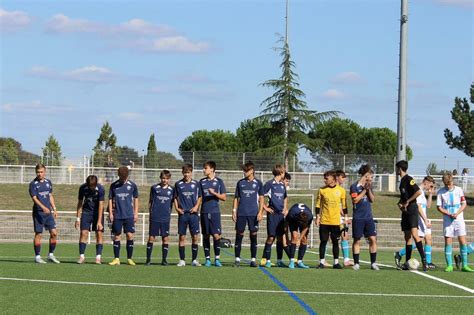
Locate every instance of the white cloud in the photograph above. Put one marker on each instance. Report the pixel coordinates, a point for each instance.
(61, 23)
(333, 94)
(88, 74)
(33, 107)
(177, 44)
(12, 21)
(347, 78)
(457, 3)
(141, 27)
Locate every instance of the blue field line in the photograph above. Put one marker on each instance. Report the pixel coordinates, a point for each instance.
(306, 307)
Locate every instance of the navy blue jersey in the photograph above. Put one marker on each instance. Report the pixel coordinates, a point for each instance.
(210, 203)
(122, 195)
(42, 190)
(296, 209)
(276, 192)
(248, 193)
(362, 209)
(187, 194)
(161, 199)
(91, 197)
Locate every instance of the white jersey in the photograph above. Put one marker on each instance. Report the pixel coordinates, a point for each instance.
(451, 200)
(421, 200)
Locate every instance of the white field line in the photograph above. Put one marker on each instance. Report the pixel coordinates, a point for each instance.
(231, 290)
(421, 274)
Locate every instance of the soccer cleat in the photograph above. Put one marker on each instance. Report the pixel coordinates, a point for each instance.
(431, 266)
(457, 261)
(115, 262)
(53, 259)
(263, 262)
(321, 266)
(81, 260)
(181, 263)
(253, 264)
(98, 261)
(281, 264)
(237, 263)
(148, 262)
(466, 268)
(449, 269)
(356, 267)
(374, 267)
(217, 263)
(301, 265)
(208, 263)
(268, 264)
(291, 265)
(39, 260)
(131, 262)
(398, 257)
(336, 266)
(164, 263)
(348, 263)
(405, 266)
(196, 263)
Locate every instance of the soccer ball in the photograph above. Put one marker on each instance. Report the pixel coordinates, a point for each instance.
(413, 264)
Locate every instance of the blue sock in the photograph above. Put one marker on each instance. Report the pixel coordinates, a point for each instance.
(428, 254)
(52, 246)
(345, 248)
(82, 248)
(448, 252)
(464, 254)
(470, 248)
(98, 249)
(129, 249)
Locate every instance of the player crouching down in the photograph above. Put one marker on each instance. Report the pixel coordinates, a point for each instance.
(299, 219)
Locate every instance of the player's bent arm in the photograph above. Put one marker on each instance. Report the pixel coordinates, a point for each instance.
(371, 195)
(40, 204)
(358, 197)
(442, 210)
(461, 209)
(221, 197)
(415, 195)
(429, 200)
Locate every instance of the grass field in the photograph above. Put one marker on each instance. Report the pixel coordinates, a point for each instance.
(16, 197)
(90, 288)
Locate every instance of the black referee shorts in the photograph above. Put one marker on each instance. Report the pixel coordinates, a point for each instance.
(410, 217)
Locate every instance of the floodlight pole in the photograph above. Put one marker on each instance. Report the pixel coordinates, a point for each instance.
(402, 84)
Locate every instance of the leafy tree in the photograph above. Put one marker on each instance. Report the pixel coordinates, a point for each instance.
(168, 160)
(106, 147)
(286, 111)
(24, 157)
(151, 158)
(463, 115)
(8, 151)
(52, 155)
(128, 156)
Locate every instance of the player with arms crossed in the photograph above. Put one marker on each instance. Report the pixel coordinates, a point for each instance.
(451, 203)
(277, 209)
(90, 210)
(409, 191)
(299, 219)
(213, 190)
(44, 213)
(328, 216)
(123, 206)
(362, 220)
(159, 205)
(187, 201)
(247, 211)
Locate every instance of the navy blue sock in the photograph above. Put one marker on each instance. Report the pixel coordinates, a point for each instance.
(206, 243)
(253, 245)
(292, 251)
(37, 248)
(182, 252)
(238, 244)
(301, 251)
(373, 257)
(82, 248)
(129, 249)
(194, 248)
(356, 258)
(98, 249)
(149, 250)
(52, 246)
(217, 247)
(421, 250)
(164, 252)
(286, 249)
(117, 249)
(279, 247)
(267, 251)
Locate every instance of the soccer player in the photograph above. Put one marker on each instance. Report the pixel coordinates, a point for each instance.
(213, 190)
(299, 219)
(424, 224)
(362, 220)
(123, 206)
(328, 216)
(44, 213)
(409, 191)
(451, 203)
(159, 205)
(341, 178)
(90, 209)
(187, 201)
(277, 209)
(247, 211)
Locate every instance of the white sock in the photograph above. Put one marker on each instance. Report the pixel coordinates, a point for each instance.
(300, 261)
(218, 257)
(322, 261)
(51, 254)
(98, 256)
(292, 259)
(38, 256)
(253, 258)
(336, 261)
(237, 258)
(81, 255)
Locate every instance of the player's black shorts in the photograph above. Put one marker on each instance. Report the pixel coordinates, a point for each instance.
(325, 230)
(89, 221)
(363, 227)
(211, 223)
(243, 221)
(294, 226)
(188, 219)
(159, 228)
(128, 226)
(410, 217)
(43, 221)
(275, 224)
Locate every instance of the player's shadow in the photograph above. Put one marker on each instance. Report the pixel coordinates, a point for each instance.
(13, 260)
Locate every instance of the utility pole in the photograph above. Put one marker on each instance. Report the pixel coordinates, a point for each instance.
(402, 83)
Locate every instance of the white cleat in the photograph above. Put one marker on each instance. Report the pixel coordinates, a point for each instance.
(356, 267)
(181, 263)
(39, 260)
(196, 263)
(81, 260)
(374, 267)
(53, 259)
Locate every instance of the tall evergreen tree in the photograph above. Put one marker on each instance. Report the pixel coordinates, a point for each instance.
(105, 148)
(52, 154)
(151, 158)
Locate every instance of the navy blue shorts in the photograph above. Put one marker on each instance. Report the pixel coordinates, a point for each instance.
(89, 222)
(43, 221)
(293, 225)
(275, 224)
(127, 224)
(363, 227)
(243, 221)
(159, 228)
(188, 219)
(211, 223)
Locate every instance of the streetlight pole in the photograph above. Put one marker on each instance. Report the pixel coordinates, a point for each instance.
(402, 83)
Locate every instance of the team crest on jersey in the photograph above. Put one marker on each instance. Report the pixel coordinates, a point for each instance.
(337, 193)
(192, 186)
(129, 187)
(169, 192)
(214, 184)
(47, 185)
(412, 182)
(254, 185)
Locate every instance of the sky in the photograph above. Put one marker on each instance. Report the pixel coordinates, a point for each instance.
(172, 67)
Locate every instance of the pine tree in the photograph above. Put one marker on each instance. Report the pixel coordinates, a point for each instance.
(151, 158)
